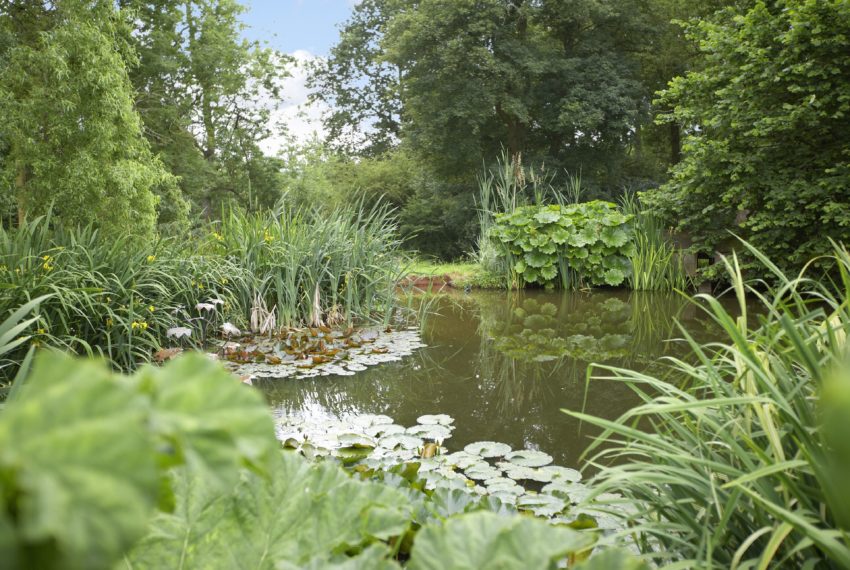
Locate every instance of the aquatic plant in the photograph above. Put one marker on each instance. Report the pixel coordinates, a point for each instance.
(573, 245)
(656, 263)
(196, 452)
(119, 297)
(746, 458)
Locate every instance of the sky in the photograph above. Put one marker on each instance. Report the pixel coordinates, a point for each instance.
(304, 29)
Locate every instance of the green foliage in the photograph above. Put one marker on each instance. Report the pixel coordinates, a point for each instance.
(488, 541)
(84, 453)
(206, 96)
(74, 138)
(586, 243)
(315, 266)
(765, 112)
(746, 461)
(657, 265)
(179, 467)
(118, 297)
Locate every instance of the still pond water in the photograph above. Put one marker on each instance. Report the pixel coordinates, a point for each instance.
(505, 365)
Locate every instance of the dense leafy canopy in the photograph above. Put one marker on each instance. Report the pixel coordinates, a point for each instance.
(73, 136)
(766, 153)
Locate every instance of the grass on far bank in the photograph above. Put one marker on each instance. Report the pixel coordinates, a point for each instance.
(461, 273)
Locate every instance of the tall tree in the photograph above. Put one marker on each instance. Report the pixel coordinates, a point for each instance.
(206, 95)
(74, 140)
(766, 114)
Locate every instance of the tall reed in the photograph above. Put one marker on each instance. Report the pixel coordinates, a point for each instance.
(740, 459)
(657, 264)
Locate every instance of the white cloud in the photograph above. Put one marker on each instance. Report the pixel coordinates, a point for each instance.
(302, 120)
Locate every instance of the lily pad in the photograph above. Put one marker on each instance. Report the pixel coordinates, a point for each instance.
(482, 472)
(488, 449)
(541, 505)
(462, 459)
(356, 440)
(529, 458)
(383, 430)
(522, 473)
(402, 440)
(565, 474)
(434, 432)
(438, 419)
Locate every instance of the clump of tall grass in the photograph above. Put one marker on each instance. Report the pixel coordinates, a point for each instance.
(118, 298)
(315, 267)
(657, 264)
(115, 298)
(740, 459)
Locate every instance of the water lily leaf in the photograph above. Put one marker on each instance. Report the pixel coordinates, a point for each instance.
(558, 473)
(383, 429)
(403, 440)
(486, 541)
(367, 420)
(440, 419)
(434, 432)
(482, 472)
(356, 440)
(529, 458)
(487, 449)
(541, 505)
(523, 473)
(462, 459)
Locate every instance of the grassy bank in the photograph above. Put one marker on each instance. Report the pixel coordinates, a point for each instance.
(461, 274)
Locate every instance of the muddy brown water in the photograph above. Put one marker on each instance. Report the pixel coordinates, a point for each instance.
(504, 366)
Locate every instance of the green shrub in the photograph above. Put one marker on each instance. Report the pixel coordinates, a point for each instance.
(745, 460)
(582, 244)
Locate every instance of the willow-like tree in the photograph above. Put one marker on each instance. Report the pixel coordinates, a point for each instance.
(73, 138)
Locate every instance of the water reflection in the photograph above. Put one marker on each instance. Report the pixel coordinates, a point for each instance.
(505, 365)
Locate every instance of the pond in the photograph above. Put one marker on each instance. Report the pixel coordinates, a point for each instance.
(504, 365)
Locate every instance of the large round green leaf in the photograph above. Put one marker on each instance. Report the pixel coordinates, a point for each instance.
(483, 541)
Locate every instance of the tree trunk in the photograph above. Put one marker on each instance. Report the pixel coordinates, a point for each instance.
(675, 143)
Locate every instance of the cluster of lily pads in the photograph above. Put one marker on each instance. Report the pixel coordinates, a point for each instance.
(309, 352)
(523, 479)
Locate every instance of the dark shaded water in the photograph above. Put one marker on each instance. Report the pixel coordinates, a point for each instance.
(505, 365)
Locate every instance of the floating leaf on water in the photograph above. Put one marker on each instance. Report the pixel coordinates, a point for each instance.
(488, 449)
(565, 474)
(433, 432)
(529, 458)
(462, 459)
(383, 429)
(564, 490)
(439, 419)
(503, 485)
(405, 441)
(356, 440)
(505, 497)
(482, 473)
(522, 473)
(541, 505)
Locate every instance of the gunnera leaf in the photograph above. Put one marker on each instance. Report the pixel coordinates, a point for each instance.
(486, 541)
(78, 467)
(206, 418)
(299, 514)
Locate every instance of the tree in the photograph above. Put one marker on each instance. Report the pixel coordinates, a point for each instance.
(74, 140)
(766, 114)
(206, 96)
